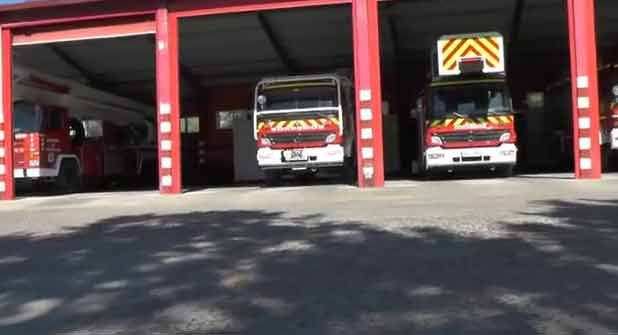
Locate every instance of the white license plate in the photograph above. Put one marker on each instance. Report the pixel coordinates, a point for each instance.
(294, 155)
(470, 154)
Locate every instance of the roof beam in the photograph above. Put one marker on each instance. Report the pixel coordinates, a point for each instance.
(392, 25)
(283, 55)
(90, 77)
(516, 22)
(185, 71)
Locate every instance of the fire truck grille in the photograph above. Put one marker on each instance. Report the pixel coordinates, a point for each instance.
(298, 138)
(472, 136)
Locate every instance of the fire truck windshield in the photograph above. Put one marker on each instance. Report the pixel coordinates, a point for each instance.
(298, 95)
(468, 100)
(27, 118)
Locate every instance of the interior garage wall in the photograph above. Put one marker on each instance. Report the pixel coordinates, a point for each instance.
(219, 143)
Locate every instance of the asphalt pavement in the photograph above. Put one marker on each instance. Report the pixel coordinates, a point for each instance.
(527, 255)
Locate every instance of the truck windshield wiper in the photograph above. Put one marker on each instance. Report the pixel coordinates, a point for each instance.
(457, 114)
(497, 111)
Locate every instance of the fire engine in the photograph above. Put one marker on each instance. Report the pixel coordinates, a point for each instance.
(67, 133)
(303, 124)
(558, 101)
(465, 116)
(608, 78)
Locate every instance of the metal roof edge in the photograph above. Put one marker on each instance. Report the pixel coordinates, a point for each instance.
(40, 4)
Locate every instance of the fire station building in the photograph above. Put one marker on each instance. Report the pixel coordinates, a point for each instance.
(199, 60)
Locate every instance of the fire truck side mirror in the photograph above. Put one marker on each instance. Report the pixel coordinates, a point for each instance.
(615, 91)
(77, 133)
(416, 112)
(261, 100)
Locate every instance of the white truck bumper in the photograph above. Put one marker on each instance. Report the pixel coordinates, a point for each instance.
(437, 157)
(35, 173)
(329, 156)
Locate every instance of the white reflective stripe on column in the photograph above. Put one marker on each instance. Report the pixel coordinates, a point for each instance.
(166, 127)
(367, 153)
(166, 163)
(584, 123)
(583, 82)
(166, 145)
(165, 108)
(585, 143)
(368, 171)
(366, 114)
(583, 102)
(367, 133)
(166, 181)
(585, 163)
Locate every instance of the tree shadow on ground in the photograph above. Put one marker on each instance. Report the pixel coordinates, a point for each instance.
(259, 272)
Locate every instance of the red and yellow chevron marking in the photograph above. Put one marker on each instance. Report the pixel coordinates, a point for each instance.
(463, 122)
(457, 48)
(299, 124)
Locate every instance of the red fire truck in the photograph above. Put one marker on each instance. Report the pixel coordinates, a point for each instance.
(559, 124)
(67, 133)
(304, 123)
(465, 116)
(608, 85)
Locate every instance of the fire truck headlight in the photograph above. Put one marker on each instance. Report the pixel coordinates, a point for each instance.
(436, 140)
(265, 141)
(505, 137)
(331, 138)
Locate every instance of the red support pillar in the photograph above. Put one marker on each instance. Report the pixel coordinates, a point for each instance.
(7, 182)
(368, 93)
(585, 88)
(168, 103)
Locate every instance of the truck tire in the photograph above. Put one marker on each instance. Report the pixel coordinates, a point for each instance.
(69, 179)
(507, 171)
(350, 175)
(606, 159)
(272, 177)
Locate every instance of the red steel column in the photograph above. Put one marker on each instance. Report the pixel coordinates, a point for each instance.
(368, 93)
(585, 89)
(7, 182)
(168, 103)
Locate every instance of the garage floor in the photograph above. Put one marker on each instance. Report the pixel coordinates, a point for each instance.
(528, 255)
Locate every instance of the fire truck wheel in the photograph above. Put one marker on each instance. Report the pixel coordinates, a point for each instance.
(606, 158)
(506, 171)
(272, 177)
(349, 171)
(68, 179)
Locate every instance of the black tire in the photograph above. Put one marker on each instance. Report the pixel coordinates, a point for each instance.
(69, 179)
(507, 171)
(606, 159)
(272, 177)
(350, 175)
